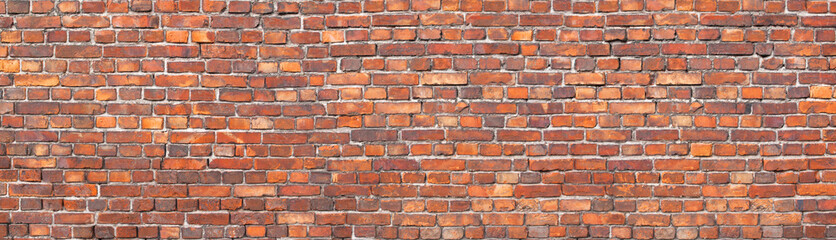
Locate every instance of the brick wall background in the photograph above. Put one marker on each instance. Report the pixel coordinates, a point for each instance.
(418, 119)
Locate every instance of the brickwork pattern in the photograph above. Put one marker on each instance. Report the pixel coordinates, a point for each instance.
(408, 119)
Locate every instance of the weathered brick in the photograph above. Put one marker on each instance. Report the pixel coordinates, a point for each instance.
(678, 79)
(584, 79)
(444, 79)
(85, 21)
(349, 79)
(492, 20)
(135, 21)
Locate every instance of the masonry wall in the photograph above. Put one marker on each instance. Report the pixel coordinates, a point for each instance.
(425, 119)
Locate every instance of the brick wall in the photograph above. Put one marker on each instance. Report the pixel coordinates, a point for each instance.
(414, 119)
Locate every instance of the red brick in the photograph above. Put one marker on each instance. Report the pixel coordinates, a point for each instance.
(394, 20)
(135, 21)
(208, 218)
(635, 49)
(771, 191)
(35, 80)
(629, 20)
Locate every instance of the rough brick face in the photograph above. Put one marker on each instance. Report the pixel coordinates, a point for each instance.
(408, 119)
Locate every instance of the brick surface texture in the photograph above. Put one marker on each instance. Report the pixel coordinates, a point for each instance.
(418, 119)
